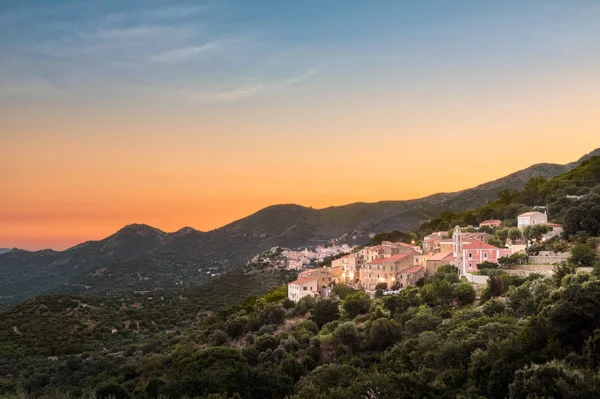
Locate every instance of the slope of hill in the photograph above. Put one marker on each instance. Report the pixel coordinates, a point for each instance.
(142, 258)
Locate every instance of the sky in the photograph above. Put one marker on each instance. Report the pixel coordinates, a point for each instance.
(198, 113)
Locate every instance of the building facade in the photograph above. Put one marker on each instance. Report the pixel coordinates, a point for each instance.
(478, 252)
(531, 218)
(409, 277)
(491, 223)
(303, 287)
(437, 260)
(384, 270)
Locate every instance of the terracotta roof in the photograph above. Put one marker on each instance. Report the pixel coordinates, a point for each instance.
(530, 213)
(411, 270)
(390, 259)
(304, 280)
(478, 245)
(441, 256)
(491, 221)
(553, 225)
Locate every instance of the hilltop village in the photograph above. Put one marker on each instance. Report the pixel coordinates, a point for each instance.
(392, 266)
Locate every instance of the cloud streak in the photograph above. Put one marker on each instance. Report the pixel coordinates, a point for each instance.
(247, 91)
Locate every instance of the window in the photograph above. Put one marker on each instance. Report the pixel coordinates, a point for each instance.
(485, 255)
(305, 289)
(470, 255)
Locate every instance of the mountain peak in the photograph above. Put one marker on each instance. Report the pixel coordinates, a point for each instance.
(185, 231)
(140, 229)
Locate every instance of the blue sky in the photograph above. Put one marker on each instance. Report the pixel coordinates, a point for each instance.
(225, 51)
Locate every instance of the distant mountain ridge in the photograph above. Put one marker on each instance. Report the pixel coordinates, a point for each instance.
(141, 258)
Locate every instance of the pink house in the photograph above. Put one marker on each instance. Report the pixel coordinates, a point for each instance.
(478, 252)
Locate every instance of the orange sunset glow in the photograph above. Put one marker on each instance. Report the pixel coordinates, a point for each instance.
(272, 116)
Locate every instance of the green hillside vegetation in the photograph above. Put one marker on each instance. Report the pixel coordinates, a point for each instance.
(576, 215)
(526, 337)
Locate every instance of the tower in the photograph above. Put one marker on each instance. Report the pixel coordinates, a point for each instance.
(457, 245)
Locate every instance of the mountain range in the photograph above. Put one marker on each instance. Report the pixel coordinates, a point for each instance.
(139, 258)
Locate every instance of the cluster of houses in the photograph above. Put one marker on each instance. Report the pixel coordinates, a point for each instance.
(298, 260)
(393, 265)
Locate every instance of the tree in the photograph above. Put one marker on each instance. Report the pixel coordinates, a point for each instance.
(347, 334)
(583, 255)
(502, 234)
(217, 338)
(384, 333)
(515, 234)
(464, 293)
(487, 265)
(342, 290)
(561, 270)
(273, 313)
(325, 310)
(357, 303)
(535, 232)
(554, 380)
(305, 304)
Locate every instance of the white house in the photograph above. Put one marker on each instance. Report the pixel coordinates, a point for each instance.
(300, 288)
(531, 218)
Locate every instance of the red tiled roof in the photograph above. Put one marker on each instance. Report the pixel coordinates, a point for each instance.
(553, 225)
(478, 245)
(390, 259)
(491, 221)
(304, 280)
(530, 213)
(440, 256)
(411, 270)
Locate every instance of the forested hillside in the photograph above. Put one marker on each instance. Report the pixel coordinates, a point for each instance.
(526, 337)
(515, 337)
(571, 198)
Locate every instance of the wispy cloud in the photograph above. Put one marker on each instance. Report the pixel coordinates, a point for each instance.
(85, 50)
(298, 79)
(186, 53)
(235, 94)
(247, 91)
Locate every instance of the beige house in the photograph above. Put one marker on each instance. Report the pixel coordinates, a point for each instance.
(437, 260)
(431, 243)
(384, 270)
(345, 269)
(409, 277)
(323, 275)
(531, 218)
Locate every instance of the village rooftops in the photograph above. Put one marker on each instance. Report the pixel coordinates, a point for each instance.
(411, 270)
(530, 214)
(391, 259)
(440, 256)
(478, 245)
(491, 221)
